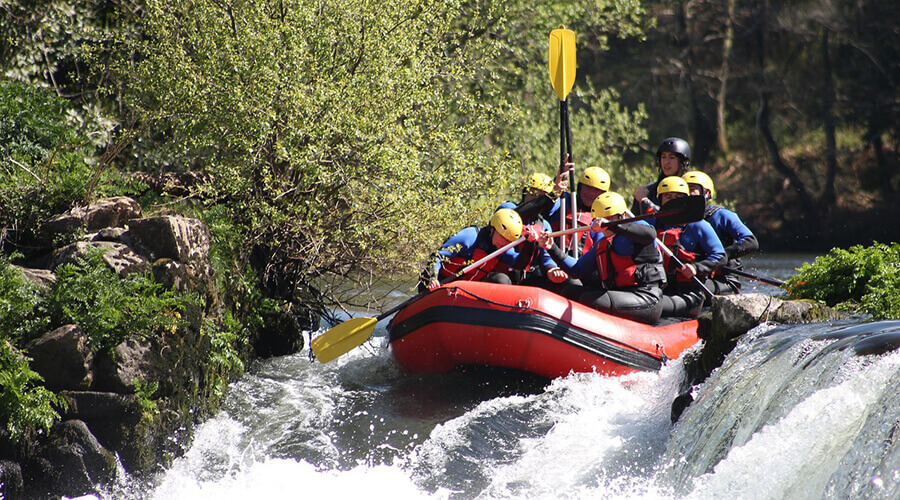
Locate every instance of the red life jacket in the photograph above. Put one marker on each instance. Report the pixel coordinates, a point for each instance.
(453, 265)
(583, 239)
(670, 238)
(615, 269)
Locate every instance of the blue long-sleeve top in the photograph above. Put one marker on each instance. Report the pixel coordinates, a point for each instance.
(464, 243)
(736, 237)
(700, 239)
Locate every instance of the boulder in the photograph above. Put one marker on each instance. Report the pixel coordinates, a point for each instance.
(63, 358)
(109, 212)
(79, 462)
(121, 258)
(90, 406)
(170, 237)
(131, 360)
(41, 277)
(11, 482)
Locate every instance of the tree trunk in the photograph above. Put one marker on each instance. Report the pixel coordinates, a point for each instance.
(763, 119)
(722, 96)
(828, 196)
(703, 131)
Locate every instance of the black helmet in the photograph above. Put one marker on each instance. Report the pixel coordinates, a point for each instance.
(678, 146)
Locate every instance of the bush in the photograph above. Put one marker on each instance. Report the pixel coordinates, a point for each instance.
(24, 406)
(861, 279)
(21, 316)
(110, 309)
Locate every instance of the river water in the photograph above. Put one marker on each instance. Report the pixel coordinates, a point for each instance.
(806, 411)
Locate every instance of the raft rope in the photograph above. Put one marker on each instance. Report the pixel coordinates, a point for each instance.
(455, 289)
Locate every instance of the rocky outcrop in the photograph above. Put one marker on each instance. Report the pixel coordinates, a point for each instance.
(730, 317)
(105, 417)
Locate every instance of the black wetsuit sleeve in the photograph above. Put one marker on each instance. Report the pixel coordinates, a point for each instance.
(642, 234)
(737, 250)
(530, 210)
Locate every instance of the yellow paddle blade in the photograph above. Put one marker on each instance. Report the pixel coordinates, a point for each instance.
(341, 339)
(562, 61)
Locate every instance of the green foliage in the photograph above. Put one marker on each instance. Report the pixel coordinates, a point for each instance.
(863, 279)
(24, 406)
(144, 391)
(110, 309)
(347, 138)
(21, 316)
(227, 339)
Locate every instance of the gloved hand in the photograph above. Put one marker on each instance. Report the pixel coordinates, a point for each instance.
(530, 233)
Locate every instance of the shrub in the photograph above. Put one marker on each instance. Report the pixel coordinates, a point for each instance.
(21, 316)
(24, 406)
(861, 279)
(110, 309)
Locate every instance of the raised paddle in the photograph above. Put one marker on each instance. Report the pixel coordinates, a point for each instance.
(678, 211)
(562, 78)
(342, 338)
(768, 281)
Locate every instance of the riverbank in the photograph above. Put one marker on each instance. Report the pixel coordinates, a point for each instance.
(125, 327)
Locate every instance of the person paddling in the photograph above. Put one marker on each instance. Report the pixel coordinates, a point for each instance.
(534, 267)
(696, 245)
(673, 156)
(472, 243)
(736, 237)
(624, 257)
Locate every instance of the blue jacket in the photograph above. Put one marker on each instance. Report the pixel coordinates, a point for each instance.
(700, 239)
(464, 243)
(736, 237)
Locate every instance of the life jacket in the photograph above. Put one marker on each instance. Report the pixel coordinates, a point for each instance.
(614, 268)
(583, 239)
(482, 245)
(670, 238)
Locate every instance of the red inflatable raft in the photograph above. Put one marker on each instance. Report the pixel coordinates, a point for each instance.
(527, 328)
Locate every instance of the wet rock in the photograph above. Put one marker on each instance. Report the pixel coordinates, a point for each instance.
(79, 462)
(93, 405)
(122, 259)
(281, 336)
(131, 360)
(11, 482)
(63, 358)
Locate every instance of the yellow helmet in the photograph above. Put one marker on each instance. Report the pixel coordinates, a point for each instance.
(508, 222)
(540, 181)
(608, 204)
(698, 177)
(595, 177)
(672, 184)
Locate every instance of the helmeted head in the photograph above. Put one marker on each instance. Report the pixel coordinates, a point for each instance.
(538, 181)
(672, 184)
(700, 178)
(595, 177)
(680, 148)
(607, 205)
(508, 223)
(671, 187)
